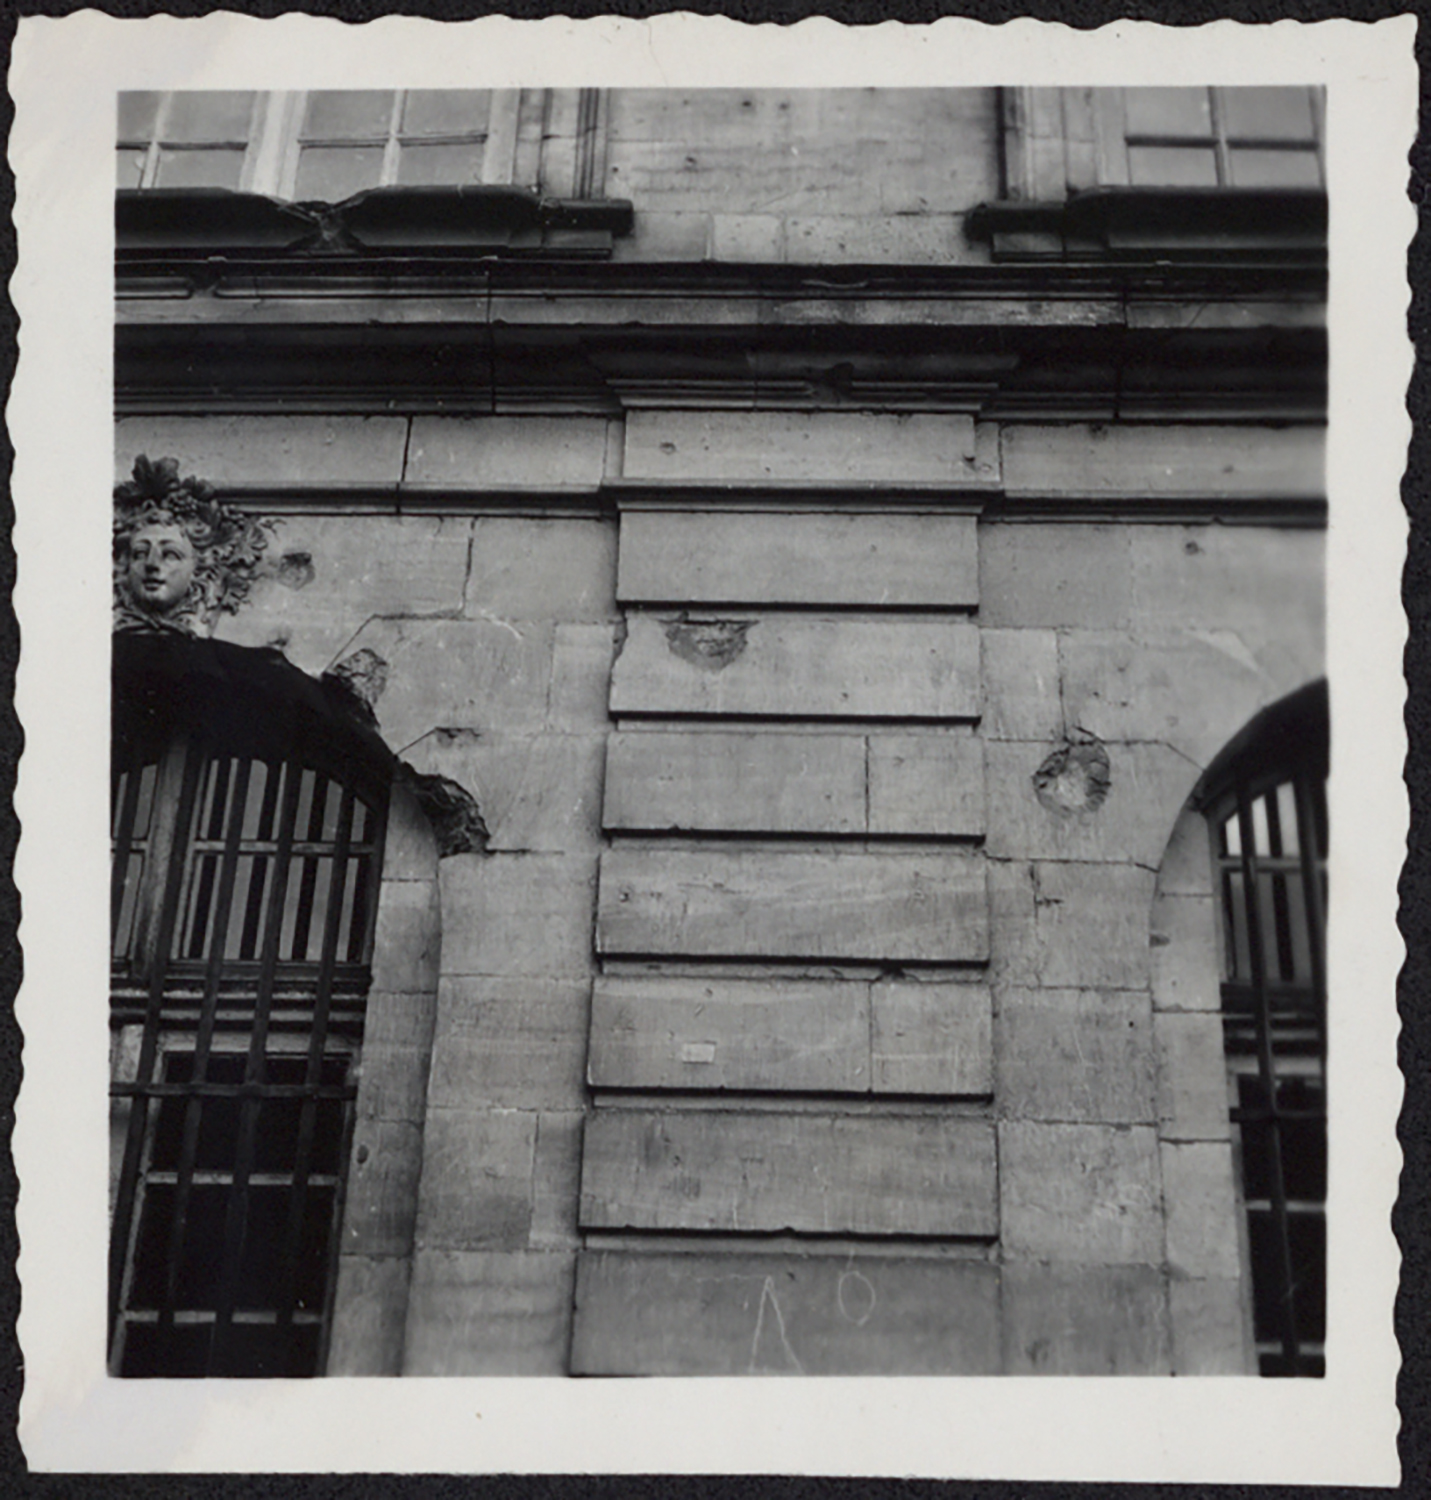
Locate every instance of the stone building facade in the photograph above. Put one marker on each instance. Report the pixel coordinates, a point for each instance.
(839, 577)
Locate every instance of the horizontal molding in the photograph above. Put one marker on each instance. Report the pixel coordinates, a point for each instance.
(713, 1172)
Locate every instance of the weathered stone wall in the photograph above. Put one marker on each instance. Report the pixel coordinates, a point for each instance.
(805, 176)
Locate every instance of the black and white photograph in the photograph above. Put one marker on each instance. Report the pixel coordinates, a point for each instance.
(718, 702)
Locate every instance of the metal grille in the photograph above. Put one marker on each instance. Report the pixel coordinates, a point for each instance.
(1272, 850)
(243, 902)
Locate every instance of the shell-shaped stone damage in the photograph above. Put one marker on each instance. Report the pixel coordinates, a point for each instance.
(708, 644)
(1074, 779)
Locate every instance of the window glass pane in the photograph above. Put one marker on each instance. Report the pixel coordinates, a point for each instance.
(1268, 114)
(220, 115)
(1172, 166)
(445, 111)
(1175, 112)
(1275, 168)
(182, 1349)
(427, 166)
(216, 168)
(1287, 817)
(137, 112)
(1260, 844)
(332, 173)
(348, 115)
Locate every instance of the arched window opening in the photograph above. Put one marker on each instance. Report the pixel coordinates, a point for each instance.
(1270, 838)
(243, 904)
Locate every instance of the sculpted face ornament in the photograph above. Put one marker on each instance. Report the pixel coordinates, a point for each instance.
(181, 557)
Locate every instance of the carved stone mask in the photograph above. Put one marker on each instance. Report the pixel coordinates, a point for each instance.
(161, 566)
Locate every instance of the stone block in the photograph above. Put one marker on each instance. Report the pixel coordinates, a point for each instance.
(397, 1046)
(1075, 1055)
(1054, 575)
(483, 453)
(1191, 689)
(1186, 969)
(930, 784)
(924, 239)
(1192, 1077)
(799, 666)
(369, 1315)
(581, 676)
(1202, 1210)
(928, 1038)
(1089, 1194)
(1013, 927)
(556, 1179)
(1262, 582)
(486, 1313)
(410, 849)
(381, 1205)
(324, 576)
(292, 452)
(561, 568)
(801, 557)
(754, 1172)
(672, 174)
(1085, 1320)
(1187, 863)
(1022, 700)
(1158, 459)
(696, 779)
(477, 1179)
(761, 904)
(1091, 925)
(659, 1032)
(1084, 801)
(459, 674)
(518, 914)
(519, 1043)
(756, 238)
(537, 792)
(1210, 1328)
(700, 447)
(407, 940)
(741, 1314)
(663, 236)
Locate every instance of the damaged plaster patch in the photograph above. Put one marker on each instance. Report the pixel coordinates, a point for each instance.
(1074, 779)
(708, 644)
(364, 674)
(457, 822)
(295, 570)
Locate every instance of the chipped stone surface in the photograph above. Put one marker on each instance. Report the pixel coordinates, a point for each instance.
(1084, 1320)
(1022, 699)
(1073, 778)
(1075, 1055)
(1089, 1194)
(489, 1313)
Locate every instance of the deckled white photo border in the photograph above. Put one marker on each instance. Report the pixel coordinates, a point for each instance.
(1340, 1430)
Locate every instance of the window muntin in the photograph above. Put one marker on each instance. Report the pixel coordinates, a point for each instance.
(245, 893)
(189, 139)
(1222, 137)
(355, 139)
(1271, 846)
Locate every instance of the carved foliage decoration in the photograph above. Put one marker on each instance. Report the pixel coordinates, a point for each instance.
(181, 556)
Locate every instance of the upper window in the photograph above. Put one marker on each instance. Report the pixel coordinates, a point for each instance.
(1217, 137)
(327, 145)
(1063, 141)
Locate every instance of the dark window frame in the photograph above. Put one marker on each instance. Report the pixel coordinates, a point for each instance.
(294, 1019)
